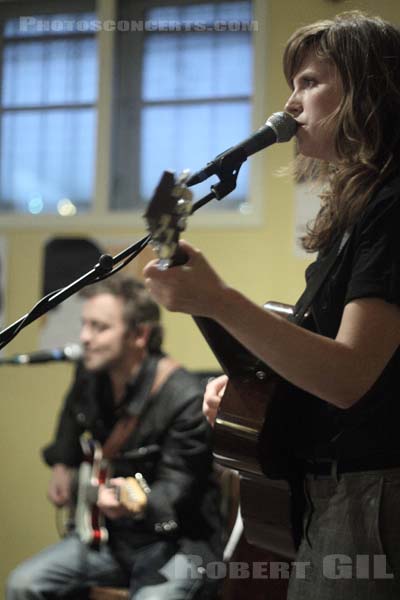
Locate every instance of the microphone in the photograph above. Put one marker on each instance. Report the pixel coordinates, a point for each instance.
(280, 127)
(70, 352)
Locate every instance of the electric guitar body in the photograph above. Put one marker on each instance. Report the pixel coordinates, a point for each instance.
(93, 472)
(86, 519)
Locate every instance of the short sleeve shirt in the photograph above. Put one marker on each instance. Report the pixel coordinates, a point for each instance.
(368, 267)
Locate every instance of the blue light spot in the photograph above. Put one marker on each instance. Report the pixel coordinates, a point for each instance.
(35, 205)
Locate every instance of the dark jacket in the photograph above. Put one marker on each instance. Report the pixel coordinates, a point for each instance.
(170, 447)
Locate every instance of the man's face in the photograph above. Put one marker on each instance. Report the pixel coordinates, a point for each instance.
(104, 335)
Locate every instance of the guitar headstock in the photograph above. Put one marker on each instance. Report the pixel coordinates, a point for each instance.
(166, 217)
(133, 494)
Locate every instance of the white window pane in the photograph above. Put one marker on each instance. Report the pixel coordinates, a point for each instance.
(47, 156)
(51, 72)
(172, 64)
(205, 13)
(179, 137)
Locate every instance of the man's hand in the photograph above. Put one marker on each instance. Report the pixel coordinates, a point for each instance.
(108, 499)
(59, 490)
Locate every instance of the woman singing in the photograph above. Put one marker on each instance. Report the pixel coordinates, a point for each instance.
(344, 76)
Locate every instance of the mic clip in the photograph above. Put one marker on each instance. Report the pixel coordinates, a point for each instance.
(225, 185)
(226, 167)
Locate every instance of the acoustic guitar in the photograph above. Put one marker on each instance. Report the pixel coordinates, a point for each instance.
(250, 435)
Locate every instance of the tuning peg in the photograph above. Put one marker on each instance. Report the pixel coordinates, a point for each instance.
(183, 176)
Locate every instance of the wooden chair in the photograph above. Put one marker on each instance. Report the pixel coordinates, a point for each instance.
(108, 593)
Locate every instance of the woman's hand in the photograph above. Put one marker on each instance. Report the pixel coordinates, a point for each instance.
(193, 288)
(212, 398)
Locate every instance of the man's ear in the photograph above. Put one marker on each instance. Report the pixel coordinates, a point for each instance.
(141, 336)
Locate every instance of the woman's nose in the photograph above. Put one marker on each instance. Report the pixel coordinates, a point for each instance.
(293, 105)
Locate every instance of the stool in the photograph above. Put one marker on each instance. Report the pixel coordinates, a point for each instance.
(108, 593)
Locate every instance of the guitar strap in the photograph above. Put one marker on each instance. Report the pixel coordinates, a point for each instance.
(305, 301)
(159, 371)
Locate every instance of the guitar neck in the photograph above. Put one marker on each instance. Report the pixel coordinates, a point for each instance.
(233, 357)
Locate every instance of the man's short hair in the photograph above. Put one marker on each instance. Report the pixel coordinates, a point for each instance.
(139, 307)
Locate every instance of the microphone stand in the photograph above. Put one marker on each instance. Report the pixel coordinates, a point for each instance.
(109, 265)
(103, 269)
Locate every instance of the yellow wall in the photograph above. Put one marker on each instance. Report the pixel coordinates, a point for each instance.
(258, 260)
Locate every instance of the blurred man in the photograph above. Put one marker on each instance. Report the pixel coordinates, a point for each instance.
(138, 408)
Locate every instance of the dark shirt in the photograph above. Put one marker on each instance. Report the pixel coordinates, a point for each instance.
(368, 267)
(170, 447)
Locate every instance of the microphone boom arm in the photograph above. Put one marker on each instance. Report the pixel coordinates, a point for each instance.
(103, 269)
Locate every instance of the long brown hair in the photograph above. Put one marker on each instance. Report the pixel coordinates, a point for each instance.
(366, 52)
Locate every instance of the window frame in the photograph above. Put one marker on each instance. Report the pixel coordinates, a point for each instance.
(43, 9)
(99, 215)
(128, 119)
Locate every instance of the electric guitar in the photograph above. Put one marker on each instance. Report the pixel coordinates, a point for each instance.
(86, 518)
(250, 434)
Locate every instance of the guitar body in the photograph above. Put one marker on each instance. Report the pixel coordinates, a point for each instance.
(249, 438)
(88, 519)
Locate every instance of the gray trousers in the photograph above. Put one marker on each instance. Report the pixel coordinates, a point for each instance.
(69, 566)
(351, 550)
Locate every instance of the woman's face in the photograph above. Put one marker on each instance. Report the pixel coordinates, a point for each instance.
(317, 92)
